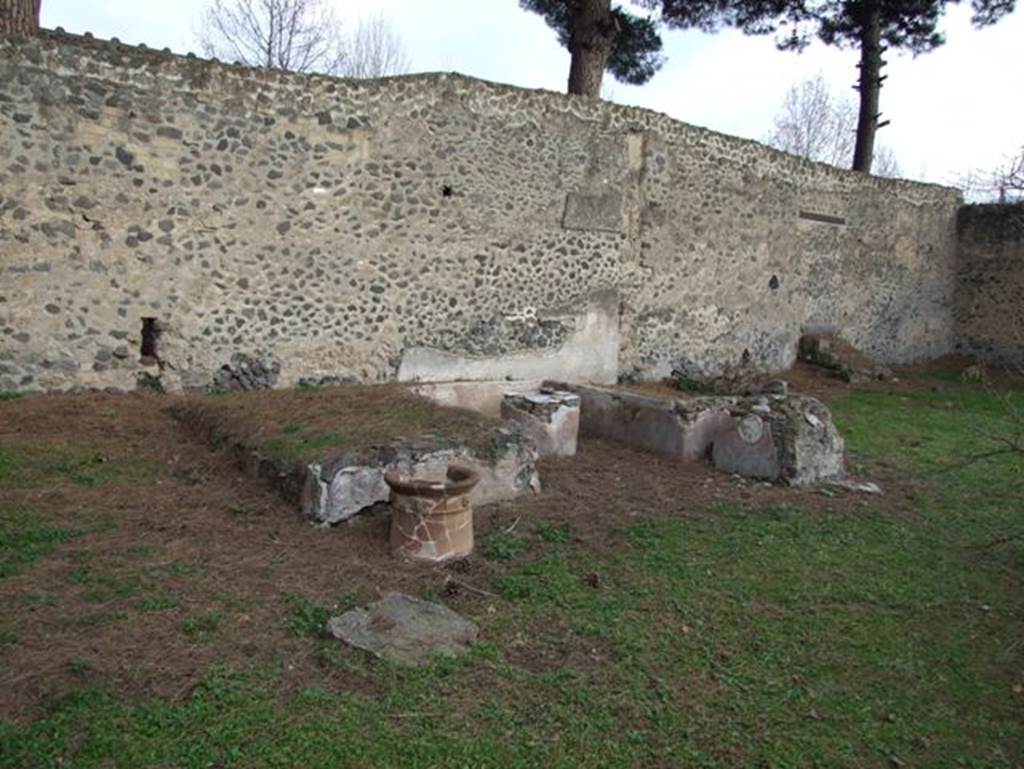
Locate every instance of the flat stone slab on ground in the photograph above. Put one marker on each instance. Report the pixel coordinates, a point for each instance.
(865, 487)
(405, 630)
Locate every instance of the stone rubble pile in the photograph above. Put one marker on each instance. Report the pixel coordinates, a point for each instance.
(836, 354)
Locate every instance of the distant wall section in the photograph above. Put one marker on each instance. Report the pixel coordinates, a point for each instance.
(990, 298)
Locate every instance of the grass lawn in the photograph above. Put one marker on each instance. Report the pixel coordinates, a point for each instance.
(764, 629)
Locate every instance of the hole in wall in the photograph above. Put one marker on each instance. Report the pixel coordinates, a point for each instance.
(773, 284)
(447, 191)
(150, 347)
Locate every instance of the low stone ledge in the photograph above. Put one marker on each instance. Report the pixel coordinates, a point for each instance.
(339, 487)
(677, 430)
(773, 437)
(482, 396)
(341, 482)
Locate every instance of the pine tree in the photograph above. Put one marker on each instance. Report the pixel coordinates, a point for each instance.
(875, 26)
(601, 38)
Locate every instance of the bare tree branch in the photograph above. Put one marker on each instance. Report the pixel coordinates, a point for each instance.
(1003, 184)
(374, 50)
(298, 35)
(817, 125)
(885, 163)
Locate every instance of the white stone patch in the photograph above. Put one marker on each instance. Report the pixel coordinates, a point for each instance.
(589, 354)
(750, 428)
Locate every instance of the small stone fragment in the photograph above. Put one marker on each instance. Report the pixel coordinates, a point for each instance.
(866, 487)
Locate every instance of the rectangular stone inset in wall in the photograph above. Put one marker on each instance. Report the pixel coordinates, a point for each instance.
(593, 212)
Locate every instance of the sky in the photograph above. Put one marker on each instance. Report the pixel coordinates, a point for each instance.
(957, 109)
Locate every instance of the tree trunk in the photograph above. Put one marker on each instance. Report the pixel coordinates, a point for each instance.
(19, 17)
(870, 85)
(591, 44)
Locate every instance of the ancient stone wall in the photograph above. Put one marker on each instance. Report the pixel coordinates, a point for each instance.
(211, 223)
(990, 295)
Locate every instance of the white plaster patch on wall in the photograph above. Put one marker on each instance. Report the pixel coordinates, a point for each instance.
(589, 354)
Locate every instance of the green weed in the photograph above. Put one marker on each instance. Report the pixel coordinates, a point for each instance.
(29, 467)
(199, 628)
(157, 602)
(503, 546)
(26, 537)
(555, 533)
(294, 446)
(306, 617)
(8, 635)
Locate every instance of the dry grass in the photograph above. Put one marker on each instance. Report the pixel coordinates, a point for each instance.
(296, 425)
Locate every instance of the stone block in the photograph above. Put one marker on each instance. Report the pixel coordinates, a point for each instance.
(339, 487)
(850, 364)
(747, 449)
(551, 416)
(792, 440)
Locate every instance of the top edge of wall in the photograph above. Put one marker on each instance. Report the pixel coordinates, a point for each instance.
(116, 53)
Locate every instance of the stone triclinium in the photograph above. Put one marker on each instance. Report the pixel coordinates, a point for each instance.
(551, 416)
(679, 430)
(432, 520)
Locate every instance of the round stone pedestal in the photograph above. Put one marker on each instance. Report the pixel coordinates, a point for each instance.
(432, 520)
